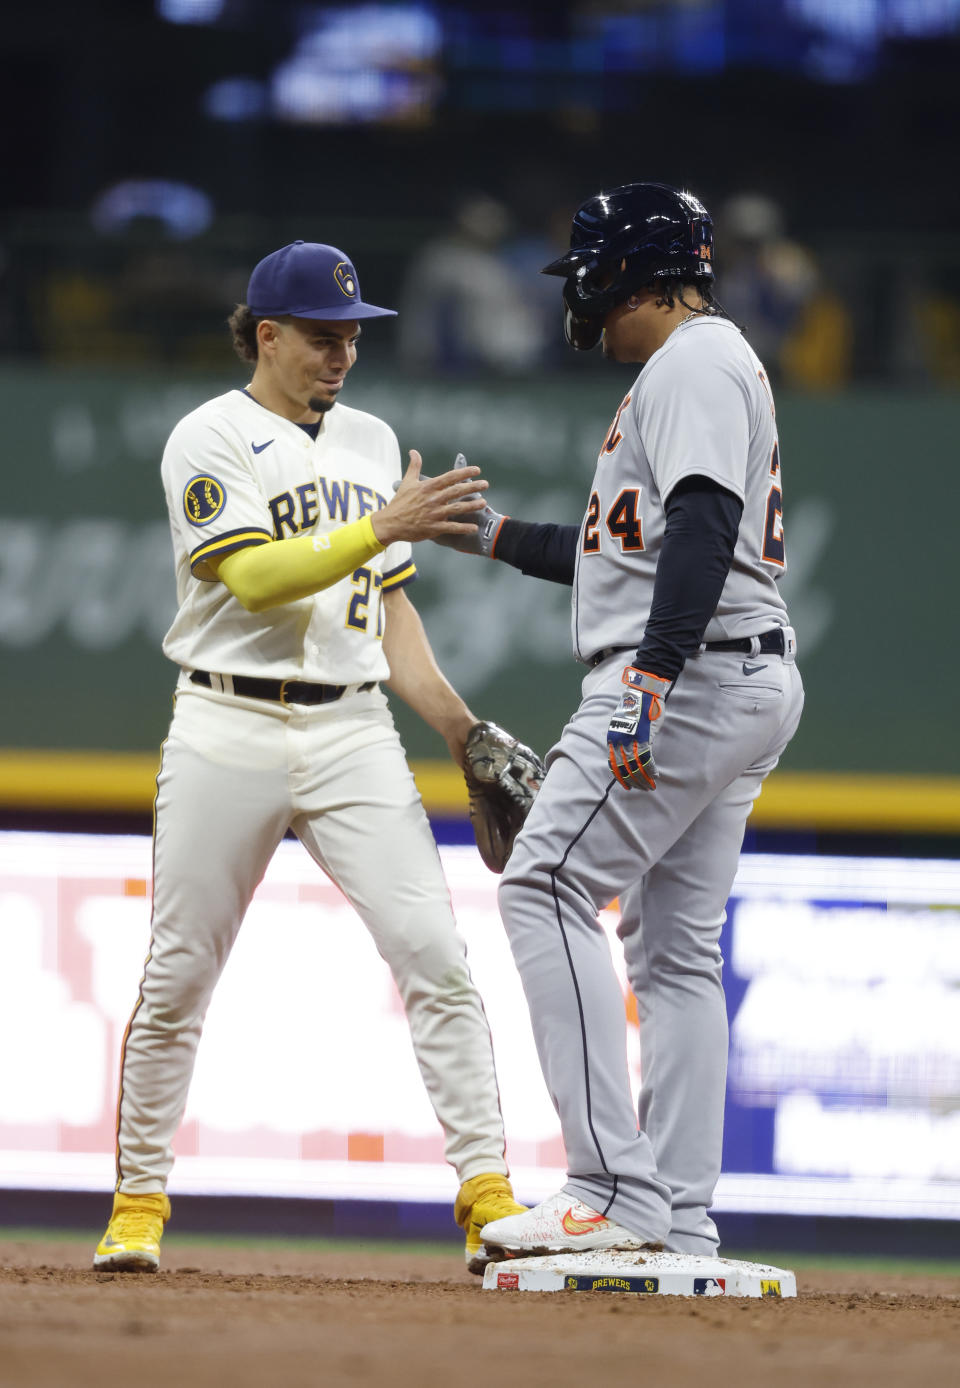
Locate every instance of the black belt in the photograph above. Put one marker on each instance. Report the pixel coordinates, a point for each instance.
(607, 652)
(771, 643)
(281, 691)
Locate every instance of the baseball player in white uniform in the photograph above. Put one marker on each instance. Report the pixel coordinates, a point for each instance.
(292, 567)
(692, 693)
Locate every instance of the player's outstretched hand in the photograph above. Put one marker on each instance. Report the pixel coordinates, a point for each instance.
(425, 507)
(484, 539)
(632, 726)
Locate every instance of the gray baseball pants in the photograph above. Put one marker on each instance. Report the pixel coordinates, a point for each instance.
(670, 856)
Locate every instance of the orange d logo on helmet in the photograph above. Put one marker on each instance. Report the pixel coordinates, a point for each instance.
(344, 276)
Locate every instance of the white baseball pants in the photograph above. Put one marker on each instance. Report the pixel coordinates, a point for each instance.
(235, 775)
(670, 855)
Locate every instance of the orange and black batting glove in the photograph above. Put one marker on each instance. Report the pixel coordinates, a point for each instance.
(632, 727)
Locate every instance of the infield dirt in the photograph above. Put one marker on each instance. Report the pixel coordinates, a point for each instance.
(233, 1317)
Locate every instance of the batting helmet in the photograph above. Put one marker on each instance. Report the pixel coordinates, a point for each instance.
(625, 239)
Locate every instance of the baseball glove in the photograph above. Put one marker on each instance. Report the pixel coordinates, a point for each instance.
(503, 777)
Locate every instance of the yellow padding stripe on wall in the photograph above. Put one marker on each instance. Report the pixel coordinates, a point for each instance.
(53, 780)
(122, 781)
(792, 800)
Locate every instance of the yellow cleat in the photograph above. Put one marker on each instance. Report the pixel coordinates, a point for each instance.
(132, 1240)
(482, 1199)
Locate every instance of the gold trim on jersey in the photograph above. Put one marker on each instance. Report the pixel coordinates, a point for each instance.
(230, 540)
(397, 577)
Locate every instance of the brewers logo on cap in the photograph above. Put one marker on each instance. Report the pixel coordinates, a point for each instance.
(346, 279)
(203, 499)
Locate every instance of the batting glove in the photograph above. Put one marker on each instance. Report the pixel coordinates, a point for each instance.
(632, 727)
(488, 523)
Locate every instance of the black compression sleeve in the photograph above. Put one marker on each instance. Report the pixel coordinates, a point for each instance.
(541, 550)
(701, 531)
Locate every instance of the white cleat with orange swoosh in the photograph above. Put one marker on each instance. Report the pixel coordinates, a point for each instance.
(558, 1224)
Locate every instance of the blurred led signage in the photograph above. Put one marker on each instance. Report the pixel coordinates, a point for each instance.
(843, 987)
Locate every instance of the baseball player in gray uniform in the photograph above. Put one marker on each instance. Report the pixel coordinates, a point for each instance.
(292, 568)
(692, 693)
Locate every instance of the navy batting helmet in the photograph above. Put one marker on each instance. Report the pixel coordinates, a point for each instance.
(625, 239)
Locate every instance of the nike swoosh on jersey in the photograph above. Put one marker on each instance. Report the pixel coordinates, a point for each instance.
(259, 447)
(752, 669)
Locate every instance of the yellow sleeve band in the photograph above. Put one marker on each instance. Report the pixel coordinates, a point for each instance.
(265, 576)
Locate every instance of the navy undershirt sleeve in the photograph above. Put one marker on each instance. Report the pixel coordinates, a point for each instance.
(542, 550)
(703, 520)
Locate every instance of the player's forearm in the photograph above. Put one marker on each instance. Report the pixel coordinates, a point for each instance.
(265, 576)
(542, 550)
(418, 680)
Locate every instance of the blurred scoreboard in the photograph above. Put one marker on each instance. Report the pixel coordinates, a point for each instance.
(843, 989)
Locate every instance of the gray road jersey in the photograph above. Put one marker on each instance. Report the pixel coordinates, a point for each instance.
(701, 405)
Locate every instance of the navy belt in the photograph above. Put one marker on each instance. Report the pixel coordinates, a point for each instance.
(280, 691)
(770, 643)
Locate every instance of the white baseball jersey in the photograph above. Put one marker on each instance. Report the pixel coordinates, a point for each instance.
(701, 406)
(237, 772)
(236, 474)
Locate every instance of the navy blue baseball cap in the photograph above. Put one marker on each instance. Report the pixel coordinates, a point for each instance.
(309, 280)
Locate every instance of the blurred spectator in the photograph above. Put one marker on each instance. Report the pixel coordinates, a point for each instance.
(78, 319)
(173, 297)
(773, 286)
(146, 289)
(525, 254)
(937, 329)
(154, 303)
(463, 307)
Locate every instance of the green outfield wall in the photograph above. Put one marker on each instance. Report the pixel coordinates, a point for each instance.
(871, 489)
